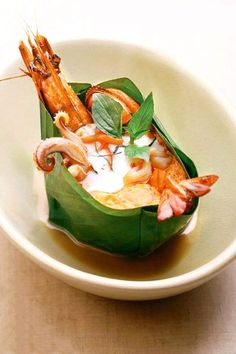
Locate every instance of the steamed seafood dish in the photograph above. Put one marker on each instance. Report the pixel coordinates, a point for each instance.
(115, 179)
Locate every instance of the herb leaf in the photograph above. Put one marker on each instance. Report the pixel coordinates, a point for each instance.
(134, 151)
(126, 85)
(106, 114)
(142, 119)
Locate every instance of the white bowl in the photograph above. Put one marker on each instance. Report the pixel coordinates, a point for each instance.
(195, 117)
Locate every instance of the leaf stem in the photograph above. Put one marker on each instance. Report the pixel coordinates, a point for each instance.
(131, 141)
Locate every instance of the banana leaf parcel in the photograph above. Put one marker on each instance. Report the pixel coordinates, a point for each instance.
(130, 232)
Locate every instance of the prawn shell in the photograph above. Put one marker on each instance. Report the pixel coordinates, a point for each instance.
(89, 222)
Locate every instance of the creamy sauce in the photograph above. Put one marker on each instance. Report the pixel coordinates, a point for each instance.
(105, 179)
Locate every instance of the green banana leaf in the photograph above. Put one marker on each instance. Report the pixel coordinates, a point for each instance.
(135, 232)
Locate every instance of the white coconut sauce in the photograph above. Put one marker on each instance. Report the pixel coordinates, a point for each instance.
(105, 179)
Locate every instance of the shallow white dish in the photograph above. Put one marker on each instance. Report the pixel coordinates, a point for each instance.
(200, 123)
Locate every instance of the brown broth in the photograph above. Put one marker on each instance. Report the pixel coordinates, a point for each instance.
(155, 266)
(150, 267)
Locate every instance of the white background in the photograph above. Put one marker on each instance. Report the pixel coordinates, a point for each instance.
(199, 34)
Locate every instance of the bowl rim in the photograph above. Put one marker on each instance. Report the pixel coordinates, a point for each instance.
(201, 273)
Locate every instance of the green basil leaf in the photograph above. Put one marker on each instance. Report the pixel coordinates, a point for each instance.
(134, 151)
(106, 114)
(142, 119)
(126, 85)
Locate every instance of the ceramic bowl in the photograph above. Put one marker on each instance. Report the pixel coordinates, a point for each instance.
(200, 123)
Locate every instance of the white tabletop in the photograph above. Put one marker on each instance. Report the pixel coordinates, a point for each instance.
(39, 314)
